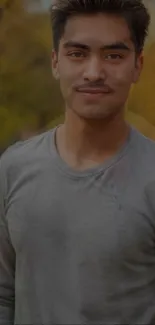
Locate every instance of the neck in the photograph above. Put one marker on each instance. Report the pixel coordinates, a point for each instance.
(86, 143)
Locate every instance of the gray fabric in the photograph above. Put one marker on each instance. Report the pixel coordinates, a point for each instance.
(77, 247)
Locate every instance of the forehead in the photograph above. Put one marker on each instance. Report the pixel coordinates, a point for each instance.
(97, 29)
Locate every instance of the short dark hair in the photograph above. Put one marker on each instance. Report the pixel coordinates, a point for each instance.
(133, 11)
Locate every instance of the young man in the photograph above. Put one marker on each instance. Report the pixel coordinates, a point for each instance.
(77, 213)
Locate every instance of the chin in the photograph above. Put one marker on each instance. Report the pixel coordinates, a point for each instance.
(97, 112)
(94, 114)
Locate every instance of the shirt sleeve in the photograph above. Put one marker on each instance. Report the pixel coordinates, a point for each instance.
(7, 263)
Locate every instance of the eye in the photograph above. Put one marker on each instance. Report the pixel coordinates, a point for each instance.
(114, 56)
(76, 54)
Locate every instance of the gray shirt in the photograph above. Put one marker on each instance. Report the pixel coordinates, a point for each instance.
(77, 247)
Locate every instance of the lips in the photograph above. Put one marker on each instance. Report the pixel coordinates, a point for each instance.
(94, 90)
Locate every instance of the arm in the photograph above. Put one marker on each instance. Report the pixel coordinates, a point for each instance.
(7, 265)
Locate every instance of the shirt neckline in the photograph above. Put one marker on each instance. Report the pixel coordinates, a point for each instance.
(71, 172)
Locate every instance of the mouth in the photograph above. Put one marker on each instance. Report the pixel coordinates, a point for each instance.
(94, 91)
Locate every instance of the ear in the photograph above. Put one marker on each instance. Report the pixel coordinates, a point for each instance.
(55, 69)
(138, 67)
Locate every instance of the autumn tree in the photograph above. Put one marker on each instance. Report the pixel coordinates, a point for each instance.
(28, 93)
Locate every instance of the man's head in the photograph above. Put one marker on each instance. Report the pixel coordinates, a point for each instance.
(97, 56)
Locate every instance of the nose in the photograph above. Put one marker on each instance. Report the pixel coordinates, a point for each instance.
(94, 70)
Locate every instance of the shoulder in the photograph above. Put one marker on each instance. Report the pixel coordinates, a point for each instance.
(144, 147)
(146, 166)
(24, 156)
(143, 156)
(144, 163)
(24, 151)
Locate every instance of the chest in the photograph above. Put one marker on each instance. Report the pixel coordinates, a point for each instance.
(84, 220)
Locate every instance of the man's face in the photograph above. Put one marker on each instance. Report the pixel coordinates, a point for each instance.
(96, 65)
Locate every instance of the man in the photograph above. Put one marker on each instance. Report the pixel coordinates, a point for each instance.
(77, 220)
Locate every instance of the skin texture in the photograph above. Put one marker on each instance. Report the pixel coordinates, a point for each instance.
(96, 65)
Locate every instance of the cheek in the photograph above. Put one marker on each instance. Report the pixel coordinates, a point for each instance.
(68, 78)
(122, 78)
(65, 72)
(66, 82)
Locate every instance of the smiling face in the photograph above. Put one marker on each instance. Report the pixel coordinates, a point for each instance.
(96, 64)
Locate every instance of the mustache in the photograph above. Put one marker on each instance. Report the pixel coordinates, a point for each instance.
(93, 85)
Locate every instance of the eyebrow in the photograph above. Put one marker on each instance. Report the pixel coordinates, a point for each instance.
(113, 46)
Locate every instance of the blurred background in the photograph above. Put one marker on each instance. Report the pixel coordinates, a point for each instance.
(30, 100)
